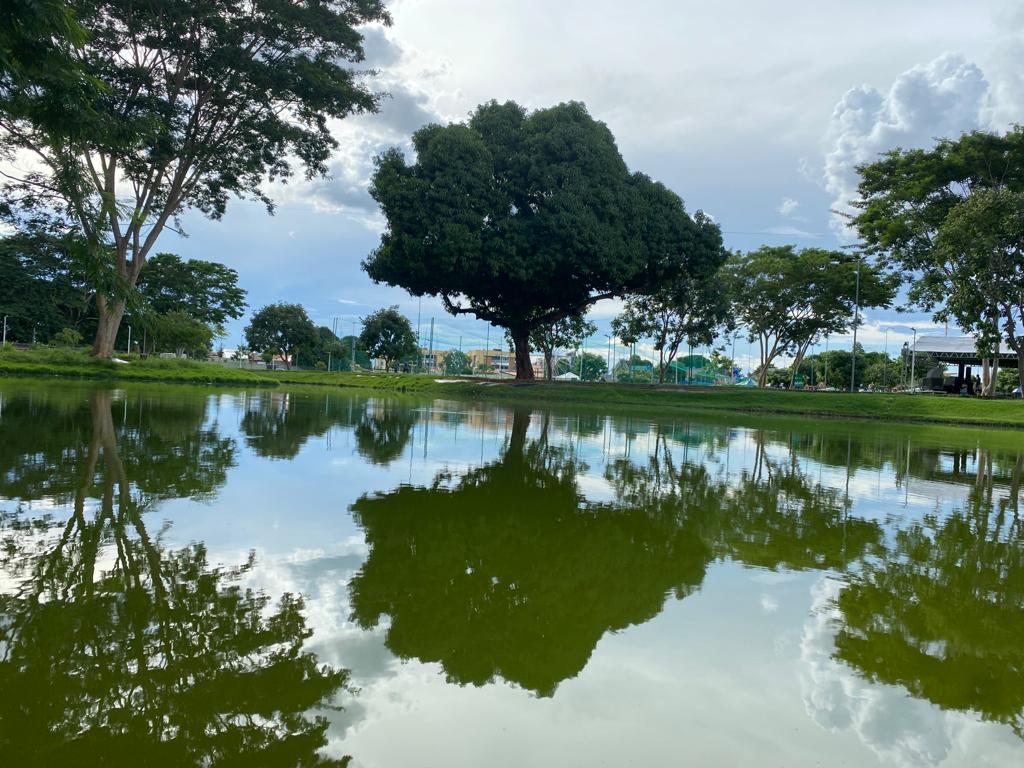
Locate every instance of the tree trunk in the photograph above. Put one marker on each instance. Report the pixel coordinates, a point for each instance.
(110, 316)
(521, 341)
(661, 365)
(549, 370)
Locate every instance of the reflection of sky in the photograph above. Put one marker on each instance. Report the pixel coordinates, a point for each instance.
(738, 673)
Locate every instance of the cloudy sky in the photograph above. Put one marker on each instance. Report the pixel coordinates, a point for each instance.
(753, 112)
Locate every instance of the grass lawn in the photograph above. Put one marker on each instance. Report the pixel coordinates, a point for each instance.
(920, 408)
(632, 397)
(73, 363)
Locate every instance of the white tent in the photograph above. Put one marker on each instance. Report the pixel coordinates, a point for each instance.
(567, 376)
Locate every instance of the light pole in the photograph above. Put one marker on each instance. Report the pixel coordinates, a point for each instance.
(913, 360)
(826, 362)
(856, 322)
(608, 361)
(4, 344)
(129, 339)
(732, 373)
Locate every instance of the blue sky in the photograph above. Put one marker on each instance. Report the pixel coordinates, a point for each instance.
(753, 112)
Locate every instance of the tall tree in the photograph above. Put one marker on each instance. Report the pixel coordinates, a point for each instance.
(523, 219)
(787, 298)
(457, 363)
(199, 103)
(281, 329)
(206, 290)
(567, 333)
(982, 239)
(906, 199)
(388, 335)
(687, 309)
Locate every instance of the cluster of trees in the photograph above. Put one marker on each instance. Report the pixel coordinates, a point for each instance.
(134, 114)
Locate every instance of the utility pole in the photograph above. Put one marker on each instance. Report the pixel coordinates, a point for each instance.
(352, 366)
(732, 359)
(129, 339)
(608, 362)
(430, 352)
(856, 322)
(913, 360)
(826, 362)
(5, 332)
(885, 370)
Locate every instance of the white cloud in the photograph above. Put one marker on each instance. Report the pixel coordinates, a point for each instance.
(945, 97)
(788, 206)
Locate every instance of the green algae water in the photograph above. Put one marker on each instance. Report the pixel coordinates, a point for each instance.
(297, 578)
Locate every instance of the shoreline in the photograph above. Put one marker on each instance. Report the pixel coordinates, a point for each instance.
(660, 399)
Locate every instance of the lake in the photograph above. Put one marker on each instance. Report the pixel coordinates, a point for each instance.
(197, 577)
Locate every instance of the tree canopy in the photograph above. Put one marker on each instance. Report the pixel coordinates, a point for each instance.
(917, 210)
(523, 218)
(387, 334)
(788, 298)
(198, 103)
(206, 290)
(281, 329)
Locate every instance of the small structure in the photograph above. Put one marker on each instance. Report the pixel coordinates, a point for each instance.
(567, 376)
(961, 351)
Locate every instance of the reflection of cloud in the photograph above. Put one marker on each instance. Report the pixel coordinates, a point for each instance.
(898, 728)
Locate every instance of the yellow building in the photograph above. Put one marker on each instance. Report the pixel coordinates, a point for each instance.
(498, 359)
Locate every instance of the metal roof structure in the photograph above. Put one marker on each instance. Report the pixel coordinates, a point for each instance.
(961, 349)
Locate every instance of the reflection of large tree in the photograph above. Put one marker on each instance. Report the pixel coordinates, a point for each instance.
(117, 651)
(47, 437)
(942, 612)
(508, 572)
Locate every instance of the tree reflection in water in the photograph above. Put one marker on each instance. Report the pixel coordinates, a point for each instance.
(116, 650)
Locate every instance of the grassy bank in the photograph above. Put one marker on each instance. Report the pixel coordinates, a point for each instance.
(636, 398)
(827, 405)
(79, 365)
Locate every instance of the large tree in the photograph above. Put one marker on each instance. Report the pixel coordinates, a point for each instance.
(388, 335)
(206, 290)
(982, 239)
(281, 329)
(524, 218)
(907, 197)
(200, 102)
(787, 299)
(687, 309)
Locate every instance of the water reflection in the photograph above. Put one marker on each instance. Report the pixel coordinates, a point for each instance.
(117, 649)
(504, 558)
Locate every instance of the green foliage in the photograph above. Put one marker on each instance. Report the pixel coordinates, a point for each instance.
(281, 329)
(522, 219)
(690, 309)
(594, 367)
(387, 334)
(634, 370)
(457, 363)
(225, 97)
(568, 333)
(67, 337)
(180, 333)
(205, 290)
(787, 299)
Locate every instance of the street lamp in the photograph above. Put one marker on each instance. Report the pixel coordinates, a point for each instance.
(885, 370)
(856, 322)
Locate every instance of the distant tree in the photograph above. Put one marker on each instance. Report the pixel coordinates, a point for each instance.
(523, 219)
(281, 329)
(358, 355)
(197, 104)
(206, 290)
(567, 333)
(787, 299)
(635, 369)
(388, 335)
(685, 309)
(178, 332)
(67, 337)
(457, 363)
(594, 367)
